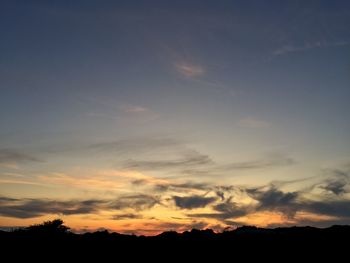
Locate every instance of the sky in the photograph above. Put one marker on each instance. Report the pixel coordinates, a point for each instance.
(148, 116)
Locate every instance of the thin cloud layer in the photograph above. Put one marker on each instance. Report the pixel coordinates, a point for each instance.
(13, 156)
(191, 160)
(224, 211)
(182, 187)
(189, 70)
(267, 162)
(275, 200)
(338, 183)
(136, 202)
(30, 208)
(253, 123)
(126, 216)
(138, 144)
(191, 202)
(308, 46)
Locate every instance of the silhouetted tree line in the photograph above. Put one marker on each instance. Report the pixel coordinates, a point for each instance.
(55, 236)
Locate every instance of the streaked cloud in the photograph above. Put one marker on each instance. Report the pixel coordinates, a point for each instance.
(338, 181)
(269, 161)
(126, 216)
(307, 46)
(134, 109)
(29, 208)
(337, 208)
(10, 158)
(225, 210)
(274, 199)
(254, 123)
(337, 186)
(191, 202)
(137, 202)
(99, 179)
(19, 182)
(190, 159)
(85, 182)
(105, 108)
(139, 144)
(136, 113)
(291, 206)
(274, 160)
(189, 70)
(182, 187)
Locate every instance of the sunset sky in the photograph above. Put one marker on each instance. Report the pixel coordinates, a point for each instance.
(146, 116)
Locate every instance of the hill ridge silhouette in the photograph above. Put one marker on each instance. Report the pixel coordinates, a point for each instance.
(57, 227)
(247, 241)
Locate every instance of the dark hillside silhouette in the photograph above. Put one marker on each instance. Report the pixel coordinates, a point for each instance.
(55, 237)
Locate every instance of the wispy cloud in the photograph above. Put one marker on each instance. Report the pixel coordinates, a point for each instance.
(126, 216)
(274, 160)
(337, 186)
(308, 46)
(191, 202)
(225, 210)
(182, 187)
(100, 179)
(137, 202)
(134, 109)
(139, 144)
(107, 108)
(268, 161)
(192, 158)
(86, 182)
(137, 113)
(274, 199)
(30, 207)
(12, 157)
(189, 70)
(17, 181)
(338, 181)
(290, 205)
(254, 123)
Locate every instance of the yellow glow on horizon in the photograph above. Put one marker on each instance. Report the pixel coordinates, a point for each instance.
(98, 179)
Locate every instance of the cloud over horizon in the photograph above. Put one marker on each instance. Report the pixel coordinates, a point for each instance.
(222, 201)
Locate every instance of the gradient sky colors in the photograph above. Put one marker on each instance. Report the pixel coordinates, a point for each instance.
(145, 116)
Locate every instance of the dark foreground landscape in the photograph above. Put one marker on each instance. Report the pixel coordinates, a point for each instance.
(54, 238)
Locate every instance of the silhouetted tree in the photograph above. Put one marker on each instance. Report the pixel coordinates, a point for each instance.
(49, 227)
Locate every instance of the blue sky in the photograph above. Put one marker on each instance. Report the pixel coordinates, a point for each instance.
(240, 94)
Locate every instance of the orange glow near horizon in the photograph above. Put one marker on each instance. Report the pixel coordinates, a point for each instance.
(154, 226)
